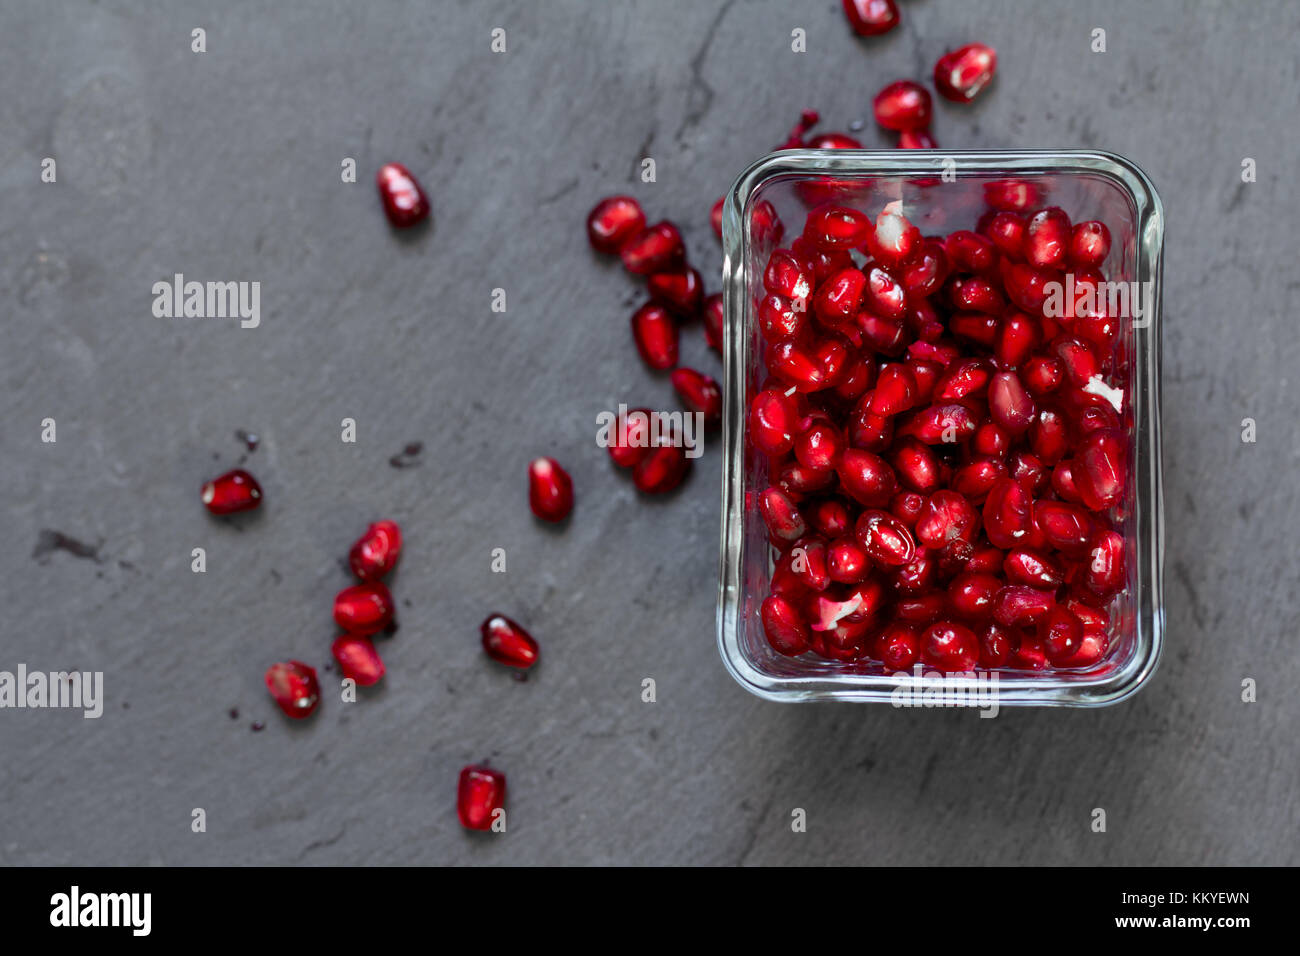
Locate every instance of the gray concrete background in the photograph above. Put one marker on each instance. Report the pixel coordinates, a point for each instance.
(225, 165)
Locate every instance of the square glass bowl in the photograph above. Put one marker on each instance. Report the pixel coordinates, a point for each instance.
(940, 191)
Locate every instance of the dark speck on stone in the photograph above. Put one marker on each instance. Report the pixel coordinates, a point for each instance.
(408, 456)
(248, 438)
(234, 713)
(47, 542)
(256, 725)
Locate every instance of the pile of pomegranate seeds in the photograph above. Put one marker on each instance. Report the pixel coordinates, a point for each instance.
(948, 462)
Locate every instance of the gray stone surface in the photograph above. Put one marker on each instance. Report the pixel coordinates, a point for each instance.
(225, 165)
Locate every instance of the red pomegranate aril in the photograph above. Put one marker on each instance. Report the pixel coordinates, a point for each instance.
(1008, 514)
(654, 330)
(1010, 406)
(1105, 574)
(1089, 243)
(1006, 230)
(868, 430)
(765, 226)
(1028, 469)
(825, 262)
(614, 221)
(916, 465)
(795, 364)
(906, 507)
(996, 646)
(631, 441)
(819, 447)
(1063, 482)
(970, 252)
(506, 642)
(1033, 569)
(884, 335)
(1029, 654)
(831, 227)
(700, 393)
(405, 203)
(294, 687)
(991, 440)
(480, 794)
(961, 74)
(971, 595)
(941, 424)
(1049, 436)
(898, 646)
(796, 480)
(846, 561)
(921, 608)
(885, 539)
(856, 379)
(926, 375)
(895, 390)
(869, 18)
(1017, 605)
(1060, 632)
(868, 598)
(924, 273)
(715, 216)
(985, 560)
(962, 378)
(232, 492)
(976, 478)
(714, 318)
(917, 139)
(1011, 195)
(830, 518)
(902, 105)
(364, 609)
(1017, 338)
(781, 515)
(657, 248)
(1042, 375)
(1047, 238)
(779, 319)
(893, 240)
(1067, 527)
(661, 470)
(681, 291)
(885, 295)
(867, 478)
(947, 516)
(376, 552)
(1099, 469)
(918, 575)
(951, 647)
(837, 299)
(358, 659)
(788, 276)
(550, 489)
(1026, 286)
(786, 630)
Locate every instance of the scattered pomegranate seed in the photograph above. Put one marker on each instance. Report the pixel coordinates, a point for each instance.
(681, 291)
(961, 74)
(613, 222)
(294, 686)
(550, 489)
(661, 470)
(506, 642)
(713, 321)
(234, 491)
(358, 659)
(699, 393)
(903, 105)
(364, 608)
(869, 18)
(480, 792)
(404, 201)
(376, 552)
(658, 248)
(654, 331)
(917, 139)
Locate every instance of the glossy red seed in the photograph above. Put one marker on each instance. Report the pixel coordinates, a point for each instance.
(480, 797)
(699, 393)
(1106, 575)
(885, 295)
(837, 299)
(1008, 514)
(1029, 655)
(970, 252)
(1011, 195)
(902, 105)
(779, 319)
(1047, 238)
(1010, 406)
(996, 646)
(358, 660)
(614, 221)
(951, 647)
(1099, 469)
(962, 378)
(833, 141)
(294, 687)
(1033, 569)
(680, 291)
(661, 470)
(947, 516)
(820, 446)
(991, 440)
(925, 271)
(898, 646)
(550, 489)
(846, 561)
(1017, 337)
(786, 630)
(1017, 605)
(1049, 436)
(1067, 527)
(893, 239)
(376, 552)
(895, 390)
(941, 424)
(869, 18)
(788, 276)
(781, 515)
(867, 478)
(232, 492)
(632, 437)
(918, 575)
(1006, 230)
(831, 227)
(917, 139)
(506, 642)
(657, 248)
(1063, 482)
(1026, 286)
(715, 216)
(1042, 374)
(364, 609)
(1061, 633)
(713, 321)
(961, 74)
(1089, 243)
(405, 203)
(654, 331)
(906, 507)
(971, 595)
(808, 561)
(773, 422)
(885, 539)
(884, 335)
(975, 479)
(916, 465)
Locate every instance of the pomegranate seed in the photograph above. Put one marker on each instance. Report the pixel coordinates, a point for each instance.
(1098, 469)
(661, 470)
(699, 393)
(924, 273)
(715, 216)
(941, 424)
(1063, 482)
(550, 489)
(869, 18)
(921, 609)
(1017, 337)
(1047, 238)
(951, 647)
(1089, 243)
(869, 431)
(788, 276)
(885, 294)
(906, 507)
(830, 518)
(1011, 195)
(635, 427)
(807, 120)
(1042, 374)
(961, 74)
(825, 262)
(947, 516)
(657, 248)
(832, 228)
(1029, 655)
(819, 447)
(916, 139)
(991, 440)
(917, 576)
(971, 595)
(867, 478)
(765, 226)
(234, 491)
(894, 239)
(681, 291)
(833, 141)
(480, 793)
(405, 204)
(364, 609)
(1017, 605)
(773, 421)
(1060, 632)
(294, 686)
(885, 539)
(1026, 286)
(837, 299)
(902, 105)
(786, 630)
(654, 331)
(358, 659)
(713, 321)
(996, 646)
(1033, 569)
(962, 378)
(978, 327)
(916, 464)
(1049, 436)
(898, 646)
(884, 335)
(1066, 526)
(1006, 230)
(976, 478)
(970, 252)
(895, 390)
(613, 222)
(1008, 514)
(1105, 574)
(376, 552)
(1010, 406)
(809, 563)
(506, 642)
(781, 515)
